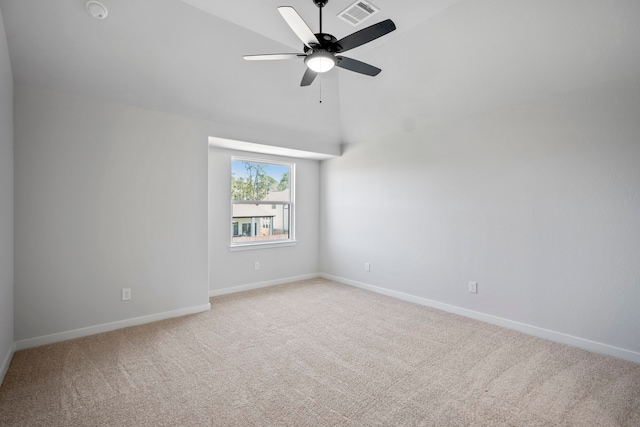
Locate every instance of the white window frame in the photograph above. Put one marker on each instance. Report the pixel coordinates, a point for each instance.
(291, 241)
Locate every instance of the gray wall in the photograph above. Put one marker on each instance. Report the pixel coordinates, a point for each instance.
(6, 203)
(233, 269)
(539, 203)
(107, 197)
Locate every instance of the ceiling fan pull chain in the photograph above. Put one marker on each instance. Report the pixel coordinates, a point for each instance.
(320, 88)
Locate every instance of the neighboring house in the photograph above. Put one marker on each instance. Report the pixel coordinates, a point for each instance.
(281, 212)
(265, 221)
(252, 220)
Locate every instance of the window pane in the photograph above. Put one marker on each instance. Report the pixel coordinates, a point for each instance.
(262, 206)
(259, 181)
(260, 223)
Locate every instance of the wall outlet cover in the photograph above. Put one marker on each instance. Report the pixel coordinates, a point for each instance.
(473, 287)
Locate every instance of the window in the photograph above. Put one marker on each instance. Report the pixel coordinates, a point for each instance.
(261, 202)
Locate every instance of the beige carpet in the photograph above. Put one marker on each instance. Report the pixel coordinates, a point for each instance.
(317, 353)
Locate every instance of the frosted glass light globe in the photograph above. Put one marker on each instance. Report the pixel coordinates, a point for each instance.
(320, 61)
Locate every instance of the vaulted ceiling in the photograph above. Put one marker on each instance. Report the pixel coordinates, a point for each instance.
(448, 58)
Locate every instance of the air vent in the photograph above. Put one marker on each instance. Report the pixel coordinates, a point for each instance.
(358, 12)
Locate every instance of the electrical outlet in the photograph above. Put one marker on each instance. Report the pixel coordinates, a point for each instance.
(473, 287)
(257, 265)
(367, 266)
(126, 294)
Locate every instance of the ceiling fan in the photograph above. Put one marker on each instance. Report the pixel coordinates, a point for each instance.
(320, 49)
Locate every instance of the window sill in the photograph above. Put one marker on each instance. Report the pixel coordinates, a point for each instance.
(253, 246)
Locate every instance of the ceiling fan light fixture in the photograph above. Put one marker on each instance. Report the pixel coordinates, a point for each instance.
(320, 61)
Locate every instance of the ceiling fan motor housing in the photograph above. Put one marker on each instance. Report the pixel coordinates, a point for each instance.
(327, 42)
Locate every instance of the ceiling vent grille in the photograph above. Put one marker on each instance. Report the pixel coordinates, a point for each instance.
(358, 12)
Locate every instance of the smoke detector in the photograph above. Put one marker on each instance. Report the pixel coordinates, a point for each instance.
(96, 9)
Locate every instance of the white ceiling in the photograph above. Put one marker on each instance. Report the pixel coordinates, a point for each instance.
(447, 58)
(262, 16)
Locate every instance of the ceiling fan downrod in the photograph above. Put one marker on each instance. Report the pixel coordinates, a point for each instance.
(321, 4)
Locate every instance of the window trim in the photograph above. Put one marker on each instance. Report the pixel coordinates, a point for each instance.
(291, 241)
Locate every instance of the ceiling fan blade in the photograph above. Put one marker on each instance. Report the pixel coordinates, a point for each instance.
(308, 78)
(357, 66)
(298, 25)
(273, 56)
(366, 35)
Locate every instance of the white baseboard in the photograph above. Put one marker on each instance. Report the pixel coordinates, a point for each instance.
(234, 289)
(6, 362)
(547, 334)
(106, 327)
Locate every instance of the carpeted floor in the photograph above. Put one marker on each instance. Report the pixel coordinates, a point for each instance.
(317, 353)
